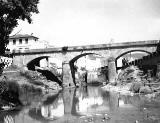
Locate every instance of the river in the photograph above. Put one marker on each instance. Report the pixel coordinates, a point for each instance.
(86, 104)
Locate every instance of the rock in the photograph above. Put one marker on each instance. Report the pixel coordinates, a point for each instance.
(136, 121)
(145, 90)
(127, 86)
(130, 74)
(135, 87)
(113, 83)
(53, 85)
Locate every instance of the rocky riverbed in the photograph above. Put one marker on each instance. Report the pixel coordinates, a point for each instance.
(132, 81)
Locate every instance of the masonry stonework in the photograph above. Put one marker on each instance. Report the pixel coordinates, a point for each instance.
(105, 50)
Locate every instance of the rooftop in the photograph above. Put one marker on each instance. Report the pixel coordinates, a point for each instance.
(22, 36)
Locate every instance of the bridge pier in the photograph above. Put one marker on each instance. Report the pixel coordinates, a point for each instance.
(67, 75)
(112, 73)
(68, 96)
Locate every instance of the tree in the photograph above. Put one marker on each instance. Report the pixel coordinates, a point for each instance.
(10, 12)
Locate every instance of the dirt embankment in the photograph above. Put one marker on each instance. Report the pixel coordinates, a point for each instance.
(19, 87)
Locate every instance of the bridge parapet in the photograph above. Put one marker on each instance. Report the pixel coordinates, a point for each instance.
(89, 47)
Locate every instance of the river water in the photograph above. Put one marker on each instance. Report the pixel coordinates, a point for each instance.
(86, 104)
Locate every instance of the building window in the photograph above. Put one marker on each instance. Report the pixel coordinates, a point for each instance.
(26, 40)
(20, 41)
(14, 42)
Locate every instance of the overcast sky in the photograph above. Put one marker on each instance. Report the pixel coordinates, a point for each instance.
(83, 22)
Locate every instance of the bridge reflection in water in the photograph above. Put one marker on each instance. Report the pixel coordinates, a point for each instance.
(78, 105)
(74, 103)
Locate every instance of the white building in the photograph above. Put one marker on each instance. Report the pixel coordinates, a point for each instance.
(25, 42)
(90, 62)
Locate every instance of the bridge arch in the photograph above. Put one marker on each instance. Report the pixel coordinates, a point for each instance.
(31, 64)
(130, 52)
(79, 56)
(45, 72)
(72, 61)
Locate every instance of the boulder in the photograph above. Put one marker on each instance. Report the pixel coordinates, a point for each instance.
(135, 87)
(145, 90)
(113, 83)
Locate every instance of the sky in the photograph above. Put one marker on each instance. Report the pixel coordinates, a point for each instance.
(85, 22)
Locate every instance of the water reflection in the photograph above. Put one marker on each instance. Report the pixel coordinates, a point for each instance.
(54, 110)
(71, 104)
(89, 100)
(8, 119)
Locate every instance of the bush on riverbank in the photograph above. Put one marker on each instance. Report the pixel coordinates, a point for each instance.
(9, 93)
(132, 79)
(32, 75)
(13, 93)
(131, 74)
(23, 86)
(38, 79)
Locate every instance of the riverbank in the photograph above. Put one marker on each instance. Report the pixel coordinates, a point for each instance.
(18, 87)
(132, 80)
(125, 90)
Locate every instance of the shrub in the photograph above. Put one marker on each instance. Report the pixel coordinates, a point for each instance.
(131, 74)
(11, 92)
(32, 74)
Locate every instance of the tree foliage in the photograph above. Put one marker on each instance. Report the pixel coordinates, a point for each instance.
(10, 12)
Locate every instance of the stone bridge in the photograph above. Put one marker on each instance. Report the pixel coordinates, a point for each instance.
(70, 54)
